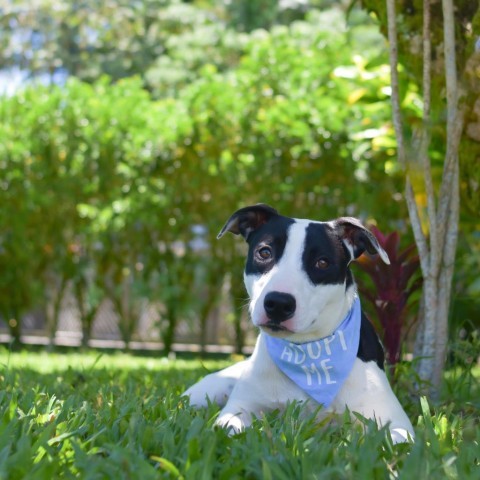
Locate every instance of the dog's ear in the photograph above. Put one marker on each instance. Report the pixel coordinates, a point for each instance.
(248, 219)
(358, 239)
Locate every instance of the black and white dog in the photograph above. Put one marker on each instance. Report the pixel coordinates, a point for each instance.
(314, 342)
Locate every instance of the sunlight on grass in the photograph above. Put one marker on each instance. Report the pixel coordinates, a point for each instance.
(91, 415)
(45, 362)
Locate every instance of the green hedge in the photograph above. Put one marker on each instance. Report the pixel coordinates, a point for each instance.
(102, 185)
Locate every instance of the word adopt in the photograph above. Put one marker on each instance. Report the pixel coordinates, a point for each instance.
(320, 367)
(307, 355)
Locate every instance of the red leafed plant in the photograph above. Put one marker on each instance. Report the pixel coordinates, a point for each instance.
(391, 290)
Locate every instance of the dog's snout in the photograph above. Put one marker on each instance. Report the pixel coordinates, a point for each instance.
(279, 306)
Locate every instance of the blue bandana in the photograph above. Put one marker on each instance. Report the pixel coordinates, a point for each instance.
(320, 367)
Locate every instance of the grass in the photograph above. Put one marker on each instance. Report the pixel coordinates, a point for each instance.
(119, 416)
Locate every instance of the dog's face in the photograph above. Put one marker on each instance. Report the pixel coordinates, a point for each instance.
(297, 273)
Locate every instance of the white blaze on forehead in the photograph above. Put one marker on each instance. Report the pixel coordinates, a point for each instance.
(289, 268)
(296, 243)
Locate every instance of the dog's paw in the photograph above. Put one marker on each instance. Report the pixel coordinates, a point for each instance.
(197, 397)
(233, 423)
(401, 435)
(214, 388)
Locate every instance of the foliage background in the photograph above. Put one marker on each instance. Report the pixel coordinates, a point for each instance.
(140, 127)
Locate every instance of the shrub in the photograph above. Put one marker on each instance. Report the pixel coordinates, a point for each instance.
(110, 183)
(391, 292)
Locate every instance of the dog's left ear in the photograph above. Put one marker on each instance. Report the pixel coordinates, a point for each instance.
(358, 239)
(248, 219)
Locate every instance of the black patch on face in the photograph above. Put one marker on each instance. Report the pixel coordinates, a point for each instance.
(272, 237)
(325, 257)
(369, 348)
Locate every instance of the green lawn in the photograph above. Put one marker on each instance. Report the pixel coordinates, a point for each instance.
(119, 416)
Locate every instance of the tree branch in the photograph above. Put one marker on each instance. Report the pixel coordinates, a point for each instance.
(454, 135)
(397, 123)
(396, 113)
(434, 264)
(455, 119)
(450, 61)
(420, 239)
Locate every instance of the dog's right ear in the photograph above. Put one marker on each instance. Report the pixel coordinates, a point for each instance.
(248, 219)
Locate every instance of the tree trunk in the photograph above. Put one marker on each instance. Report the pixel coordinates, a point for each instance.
(13, 321)
(169, 334)
(238, 301)
(239, 332)
(437, 253)
(429, 321)
(86, 314)
(54, 317)
(87, 324)
(124, 326)
(85, 336)
(445, 284)
(213, 287)
(204, 313)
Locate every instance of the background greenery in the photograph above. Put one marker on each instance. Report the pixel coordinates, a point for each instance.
(174, 115)
(139, 128)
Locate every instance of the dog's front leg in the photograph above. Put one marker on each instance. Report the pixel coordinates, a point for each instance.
(250, 395)
(247, 399)
(215, 387)
(261, 388)
(368, 392)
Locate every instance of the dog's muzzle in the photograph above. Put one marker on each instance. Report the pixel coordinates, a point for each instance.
(279, 307)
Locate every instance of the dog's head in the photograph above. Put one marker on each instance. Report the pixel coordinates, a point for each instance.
(297, 272)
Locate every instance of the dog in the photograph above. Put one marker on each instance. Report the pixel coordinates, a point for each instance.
(315, 344)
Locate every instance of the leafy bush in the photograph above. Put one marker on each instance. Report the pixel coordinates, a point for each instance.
(108, 185)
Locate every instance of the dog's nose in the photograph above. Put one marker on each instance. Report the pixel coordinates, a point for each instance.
(279, 306)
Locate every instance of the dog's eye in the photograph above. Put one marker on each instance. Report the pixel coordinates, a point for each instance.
(264, 253)
(322, 263)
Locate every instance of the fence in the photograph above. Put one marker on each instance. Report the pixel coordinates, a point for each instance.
(219, 332)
